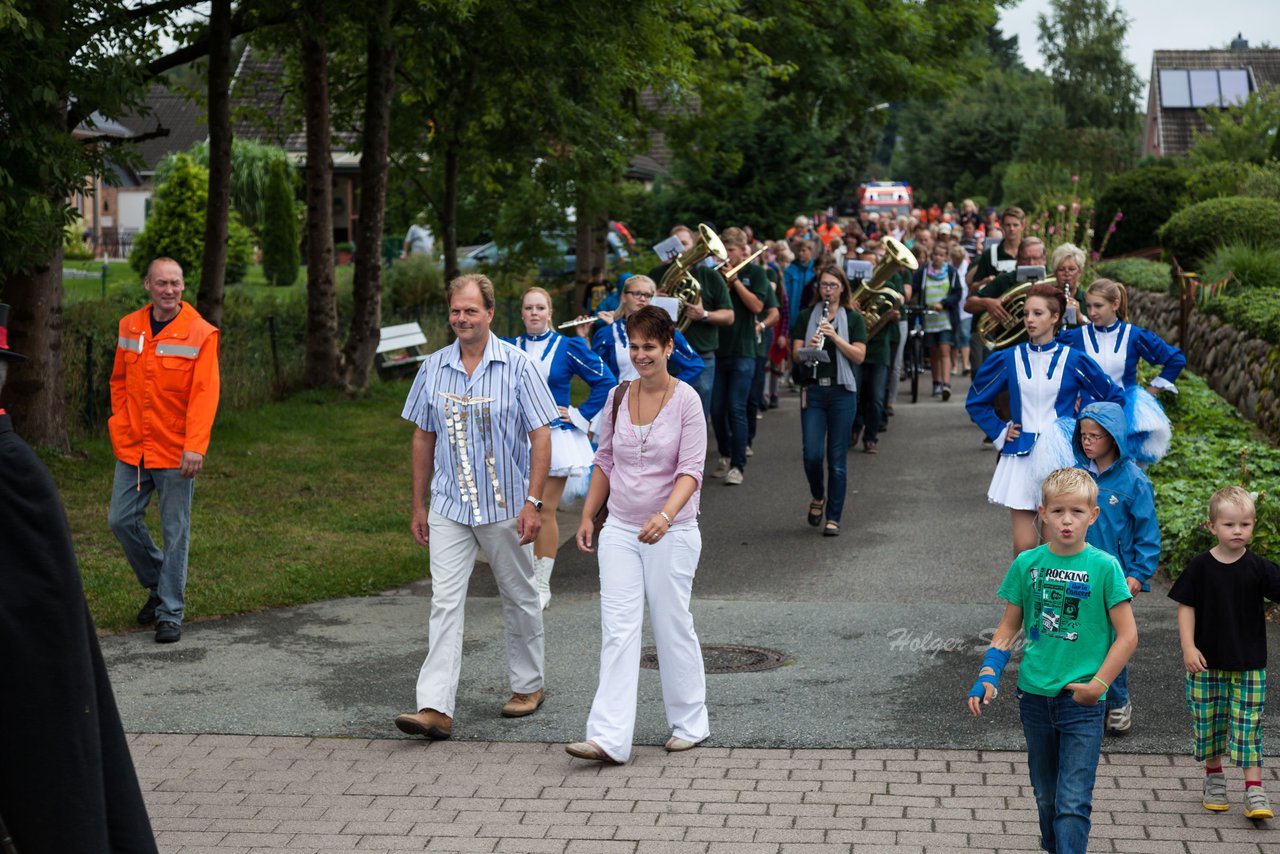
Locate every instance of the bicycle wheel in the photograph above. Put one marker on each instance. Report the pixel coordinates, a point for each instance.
(916, 347)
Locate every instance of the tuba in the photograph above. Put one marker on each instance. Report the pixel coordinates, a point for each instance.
(998, 334)
(679, 282)
(873, 301)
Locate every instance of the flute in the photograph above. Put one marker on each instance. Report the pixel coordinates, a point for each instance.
(581, 320)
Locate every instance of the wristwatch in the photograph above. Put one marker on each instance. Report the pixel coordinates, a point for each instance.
(537, 505)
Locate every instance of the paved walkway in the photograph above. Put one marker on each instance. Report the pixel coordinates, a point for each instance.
(858, 743)
(254, 795)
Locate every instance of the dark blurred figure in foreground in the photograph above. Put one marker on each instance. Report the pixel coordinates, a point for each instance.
(67, 782)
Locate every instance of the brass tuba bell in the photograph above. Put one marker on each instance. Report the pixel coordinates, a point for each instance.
(679, 282)
(873, 301)
(998, 334)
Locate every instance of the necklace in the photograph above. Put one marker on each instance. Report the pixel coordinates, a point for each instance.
(644, 434)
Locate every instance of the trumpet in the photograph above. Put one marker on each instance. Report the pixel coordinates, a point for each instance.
(730, 273)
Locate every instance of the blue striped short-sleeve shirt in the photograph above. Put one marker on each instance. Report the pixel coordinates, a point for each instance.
(482, 424)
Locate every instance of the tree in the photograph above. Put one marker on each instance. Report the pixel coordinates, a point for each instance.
(251, 164)
(214, 267)
(280, 229)
(1083, 47)
(176, 227)
(1242, 132)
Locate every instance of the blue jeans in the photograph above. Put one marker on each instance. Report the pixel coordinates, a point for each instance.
(162, 572)
(755, 399)
(705, 382)
(871, 390)
(729, 407)
(826, 422)
(1064, 740)
(1118, 693)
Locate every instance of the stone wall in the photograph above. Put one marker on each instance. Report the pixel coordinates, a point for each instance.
(1244, 370)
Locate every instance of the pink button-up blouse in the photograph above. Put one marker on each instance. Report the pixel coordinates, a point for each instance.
(640, 483)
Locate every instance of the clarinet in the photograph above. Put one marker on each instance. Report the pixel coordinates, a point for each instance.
(822, 339)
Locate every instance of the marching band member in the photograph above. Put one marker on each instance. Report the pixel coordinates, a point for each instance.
(829, 393)
(610, 343)
(559, 358)
(1044, 379)
(1066, 264)
(1116, 346)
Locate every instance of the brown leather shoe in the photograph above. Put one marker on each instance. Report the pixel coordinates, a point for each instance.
(523, 704)
(428, 722)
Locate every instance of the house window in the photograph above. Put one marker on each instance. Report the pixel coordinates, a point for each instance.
(1203, 87)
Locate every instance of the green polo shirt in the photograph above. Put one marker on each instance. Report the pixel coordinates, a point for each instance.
(739, 340)
(702, 336)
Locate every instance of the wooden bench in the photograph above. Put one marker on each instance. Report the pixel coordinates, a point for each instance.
(399, 345)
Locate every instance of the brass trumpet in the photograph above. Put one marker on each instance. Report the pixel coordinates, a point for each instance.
(873, 301)
(679, 282)
(998, 334)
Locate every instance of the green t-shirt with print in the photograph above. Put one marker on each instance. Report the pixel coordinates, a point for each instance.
(739, 340)
(1065, 602)
(702, 336)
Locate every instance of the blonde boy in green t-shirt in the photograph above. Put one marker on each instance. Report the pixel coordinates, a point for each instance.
(1073, 602)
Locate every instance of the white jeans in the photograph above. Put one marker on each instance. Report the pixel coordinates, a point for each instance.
(632, 572)
(453, 557)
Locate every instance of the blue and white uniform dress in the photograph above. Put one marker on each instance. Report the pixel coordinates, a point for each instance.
(559, 359)
(612, 345)
(1116, 349)
(1044, 382)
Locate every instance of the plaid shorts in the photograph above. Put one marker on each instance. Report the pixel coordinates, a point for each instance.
(1226, 714)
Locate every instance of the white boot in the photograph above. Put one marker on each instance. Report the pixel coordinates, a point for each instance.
(542, 567)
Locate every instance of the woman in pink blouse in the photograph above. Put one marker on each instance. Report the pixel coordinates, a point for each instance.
(649, 468)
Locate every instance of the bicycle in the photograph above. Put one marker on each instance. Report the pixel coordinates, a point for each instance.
(913, 350)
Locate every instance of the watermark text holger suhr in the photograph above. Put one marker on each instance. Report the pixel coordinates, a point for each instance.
(903, 639)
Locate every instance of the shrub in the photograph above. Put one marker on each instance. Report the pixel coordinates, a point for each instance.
(239, 249)
(1138, 274)
(1146, 196)
(1255, 312)
(1216, 180)
(411, 287)
(1253, 268)
(280, 256)
(1209, 437)
(1263, 183)
(1193, 232)
(175, 228)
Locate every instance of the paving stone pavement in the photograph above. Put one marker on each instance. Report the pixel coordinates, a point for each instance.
(286, 795)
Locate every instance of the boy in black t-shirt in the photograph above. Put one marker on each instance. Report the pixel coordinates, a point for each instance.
(1223, 632)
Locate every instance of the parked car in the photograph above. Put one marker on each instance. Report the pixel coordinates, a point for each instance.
(487, 254)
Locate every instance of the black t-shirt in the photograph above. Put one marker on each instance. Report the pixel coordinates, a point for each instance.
(1231, 629)
(158, 325)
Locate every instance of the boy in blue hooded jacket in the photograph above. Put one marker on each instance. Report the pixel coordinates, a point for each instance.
(1126, 526)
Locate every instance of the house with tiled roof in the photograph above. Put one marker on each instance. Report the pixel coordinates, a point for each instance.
(1184, 82)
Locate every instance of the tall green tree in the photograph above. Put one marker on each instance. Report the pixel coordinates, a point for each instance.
(280, 258)
(1082, 42)
(1248, 132)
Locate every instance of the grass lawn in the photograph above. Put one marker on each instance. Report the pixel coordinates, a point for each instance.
(299, 501)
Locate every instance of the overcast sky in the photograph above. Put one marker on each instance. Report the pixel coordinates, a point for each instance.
(1161, 25)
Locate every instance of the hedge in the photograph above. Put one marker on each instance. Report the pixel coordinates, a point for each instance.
(1194, 232)
(1256, 312)
(1213, 446)
(1138, 273)
(1145, 195)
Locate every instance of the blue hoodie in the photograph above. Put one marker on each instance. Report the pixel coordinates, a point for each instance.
(1126, 526)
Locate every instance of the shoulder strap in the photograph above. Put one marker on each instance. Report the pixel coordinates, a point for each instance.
(617, 399)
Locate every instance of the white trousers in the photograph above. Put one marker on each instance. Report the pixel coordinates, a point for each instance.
(453, 557)
(632, 573)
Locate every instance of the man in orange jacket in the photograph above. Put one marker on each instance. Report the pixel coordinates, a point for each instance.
(164, 394)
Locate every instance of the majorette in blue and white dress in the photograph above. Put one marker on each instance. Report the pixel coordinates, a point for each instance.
(612, 345)
(1044, 382)
(1116, 349)
(559, 358)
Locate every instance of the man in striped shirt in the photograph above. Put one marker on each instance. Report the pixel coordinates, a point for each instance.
(481, 450)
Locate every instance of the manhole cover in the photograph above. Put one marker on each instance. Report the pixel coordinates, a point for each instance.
(725, 658)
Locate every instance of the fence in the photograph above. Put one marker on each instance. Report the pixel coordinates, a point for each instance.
(262, 344)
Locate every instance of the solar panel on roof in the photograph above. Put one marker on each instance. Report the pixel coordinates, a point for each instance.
(1235, 85)
(1204, 88)
(1175, 88)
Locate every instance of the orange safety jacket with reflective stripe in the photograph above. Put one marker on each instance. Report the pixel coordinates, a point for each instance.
(164, 392)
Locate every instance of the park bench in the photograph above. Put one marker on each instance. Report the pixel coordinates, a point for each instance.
(399, 345)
